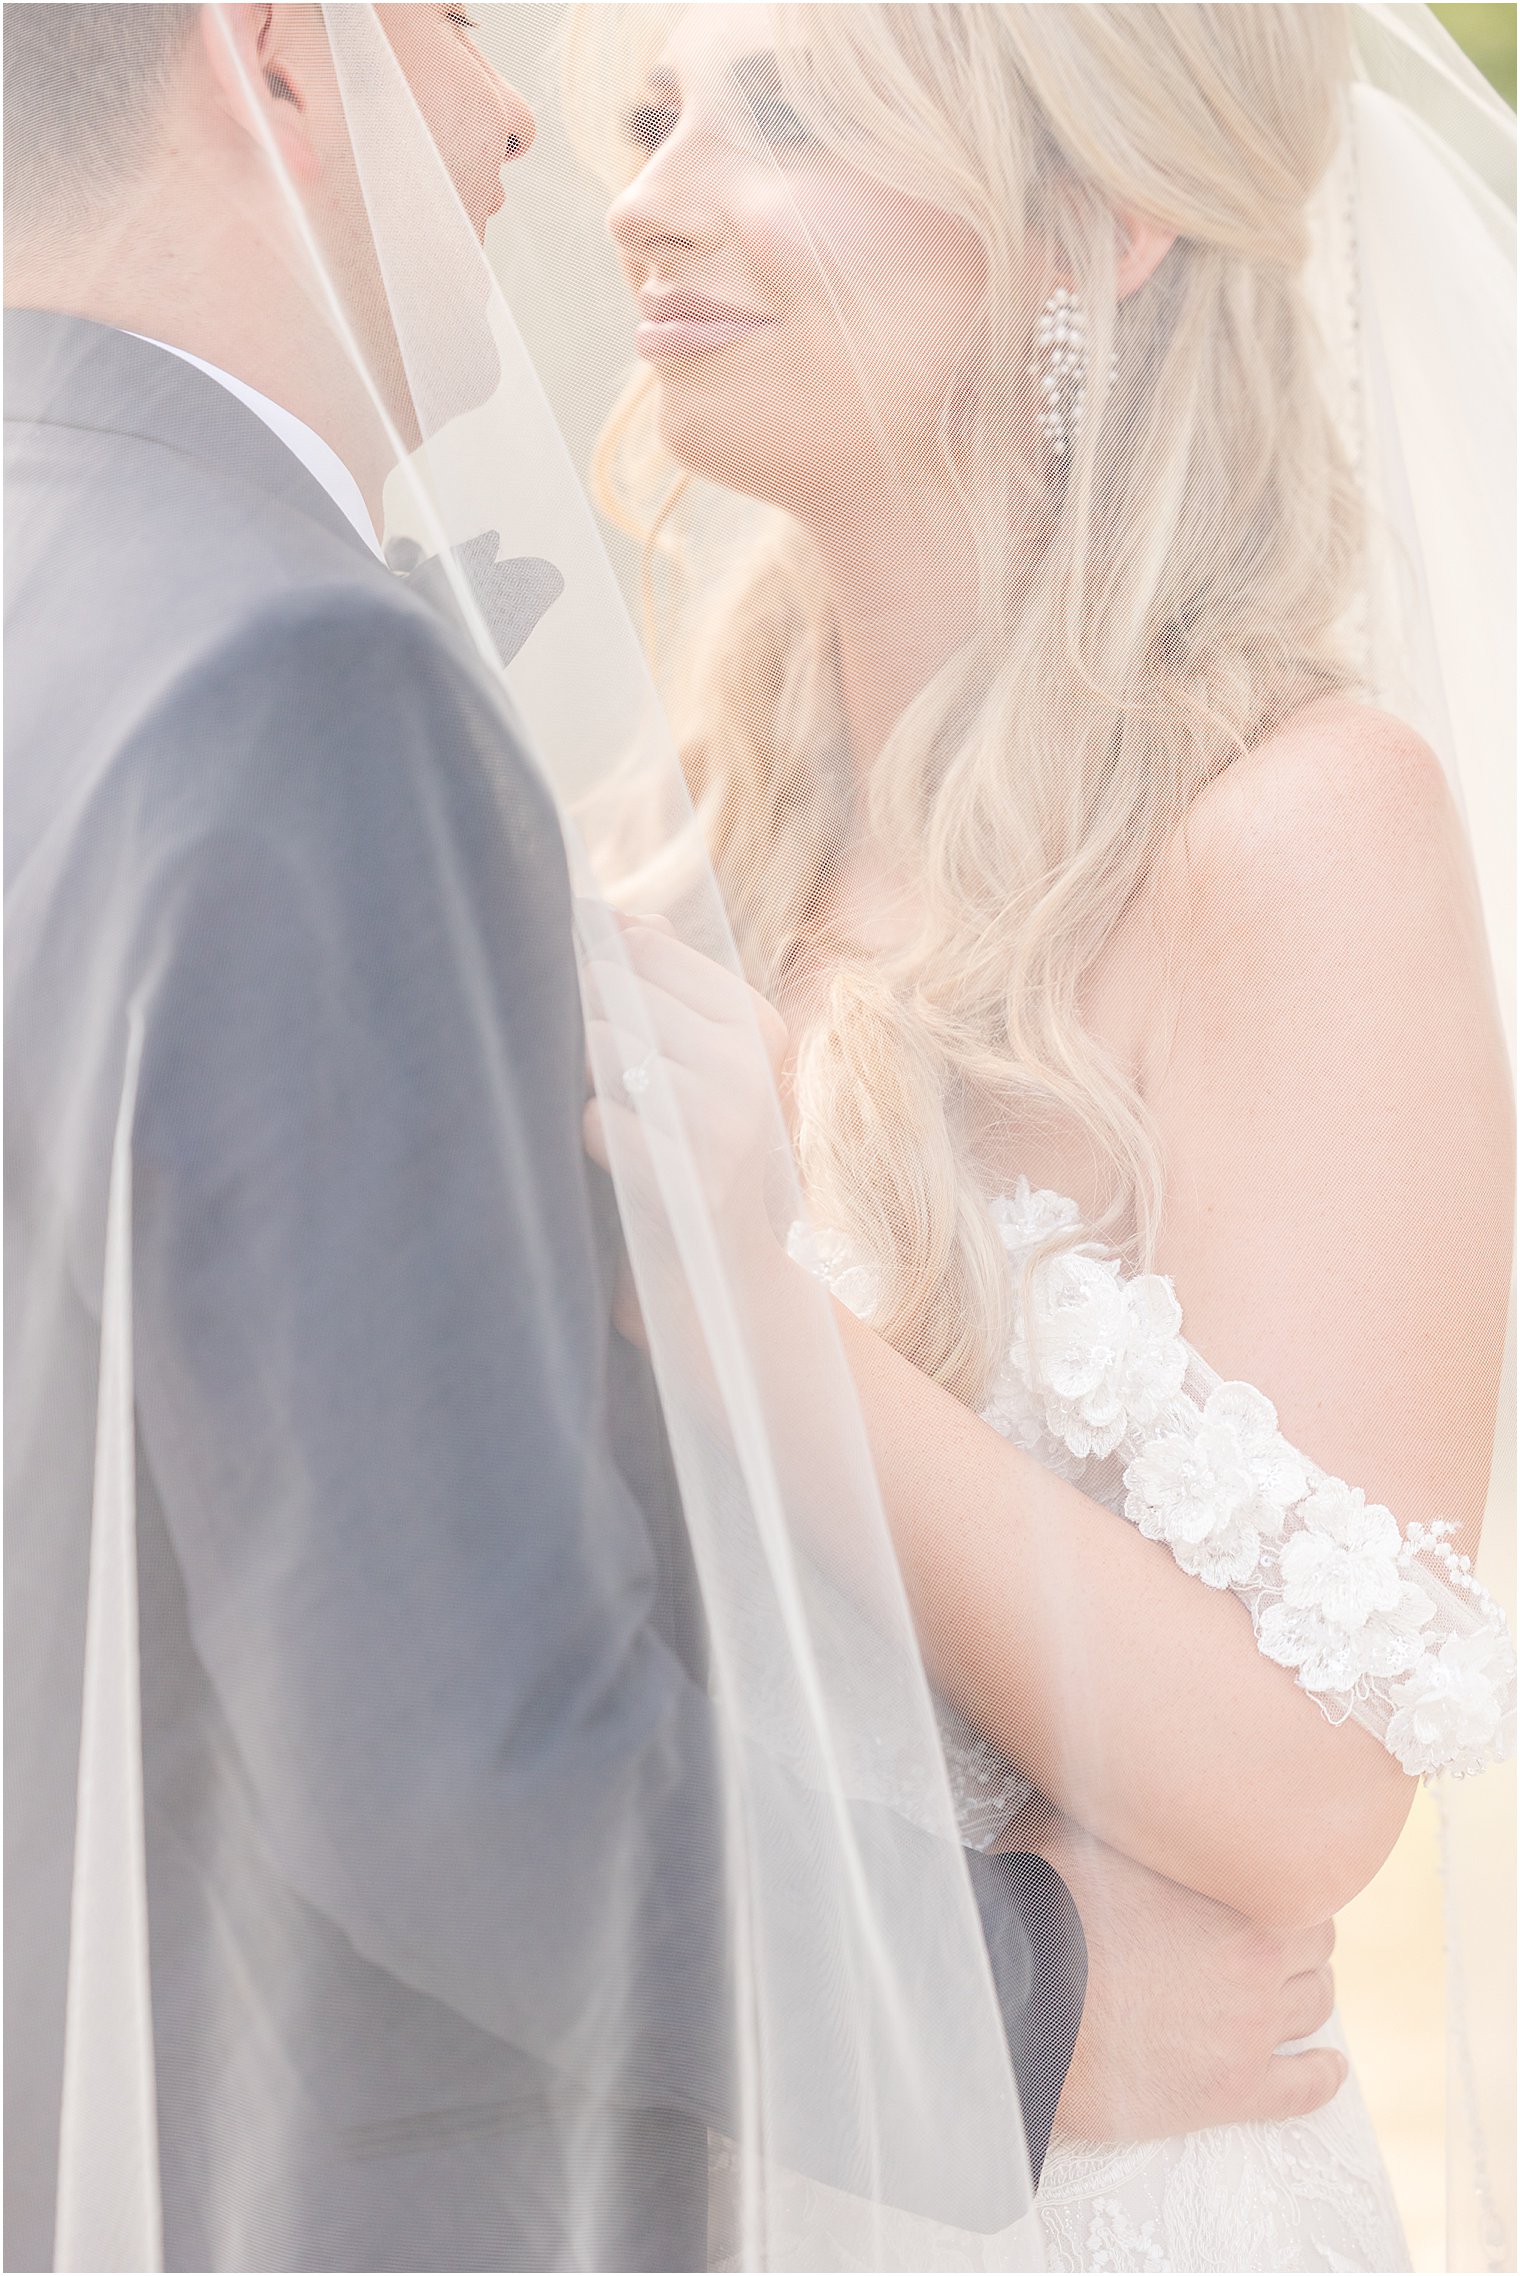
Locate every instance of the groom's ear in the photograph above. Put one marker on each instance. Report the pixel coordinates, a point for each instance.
(268, 66)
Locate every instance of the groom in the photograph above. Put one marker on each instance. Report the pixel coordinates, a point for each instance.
(262, 800)
(432, 1790)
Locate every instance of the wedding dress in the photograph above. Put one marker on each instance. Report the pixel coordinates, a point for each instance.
(1101, 1387)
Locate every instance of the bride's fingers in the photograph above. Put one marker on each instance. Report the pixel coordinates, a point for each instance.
(627, 1312)
(594, 1134)
(1296, 2084)
(1306, 2003)
(613, 1128)
(624, 1015)
(628, 1068)
(685, 1115)
(715, 1076)
(660, 959)
(684, 972)
(618, 1141)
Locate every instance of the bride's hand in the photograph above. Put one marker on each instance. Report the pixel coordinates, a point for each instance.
(707, 1085)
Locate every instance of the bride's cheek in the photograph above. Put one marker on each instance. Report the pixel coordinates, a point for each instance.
(892, 285)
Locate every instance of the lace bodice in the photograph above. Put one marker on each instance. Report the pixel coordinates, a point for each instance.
(1386, 1625)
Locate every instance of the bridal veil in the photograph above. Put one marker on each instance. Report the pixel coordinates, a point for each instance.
(860, 1982)
(852, 1987)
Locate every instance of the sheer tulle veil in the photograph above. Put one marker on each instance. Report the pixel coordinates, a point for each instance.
(489, 371)
(1431, 158)
(845, 1952)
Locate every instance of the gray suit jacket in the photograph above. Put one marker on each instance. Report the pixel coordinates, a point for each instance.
(239, 744)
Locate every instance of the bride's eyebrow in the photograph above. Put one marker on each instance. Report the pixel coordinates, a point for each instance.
(761, 70)
(759, 77)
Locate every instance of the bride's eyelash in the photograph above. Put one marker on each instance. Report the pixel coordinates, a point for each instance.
(462, 17)
(648, 124)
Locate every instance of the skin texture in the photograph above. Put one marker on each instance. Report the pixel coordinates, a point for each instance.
(196, 248)
(1303, 997)
(730, 201)
(837, 430)
(1188, 2000)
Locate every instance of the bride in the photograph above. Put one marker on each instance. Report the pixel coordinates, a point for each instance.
(1121, 959)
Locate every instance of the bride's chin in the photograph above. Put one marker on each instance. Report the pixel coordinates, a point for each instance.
(721, 449)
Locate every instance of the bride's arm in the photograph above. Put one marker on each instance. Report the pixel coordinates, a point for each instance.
(1128, 1692)
(1333, 1103)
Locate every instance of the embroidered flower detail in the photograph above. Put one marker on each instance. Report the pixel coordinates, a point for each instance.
(1015, 1414)
(1455, 1712)
(1345, 1562)
(829, 1257)
(1107, 1356)
(1115, 2241)
(1217, 1494)
(1347, 1612)
(1030, 1215)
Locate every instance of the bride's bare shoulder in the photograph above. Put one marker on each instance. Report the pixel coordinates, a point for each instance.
(1334, 784)
(1339, 804)
(1330, 856)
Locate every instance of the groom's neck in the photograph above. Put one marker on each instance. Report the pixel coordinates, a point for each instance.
(258, 328)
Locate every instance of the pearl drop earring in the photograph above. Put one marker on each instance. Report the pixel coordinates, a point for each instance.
(1060, 366)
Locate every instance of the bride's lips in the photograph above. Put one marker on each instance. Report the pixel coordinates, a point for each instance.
(689, 324)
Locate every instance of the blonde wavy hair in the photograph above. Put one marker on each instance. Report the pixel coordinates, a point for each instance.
(1189, 583)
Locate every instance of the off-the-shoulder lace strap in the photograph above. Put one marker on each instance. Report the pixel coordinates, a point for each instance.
(1386, 1625)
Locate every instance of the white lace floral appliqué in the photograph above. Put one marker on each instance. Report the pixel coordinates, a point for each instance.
(1388, 1626)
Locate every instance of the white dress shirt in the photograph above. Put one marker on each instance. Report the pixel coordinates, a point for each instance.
(320, 460)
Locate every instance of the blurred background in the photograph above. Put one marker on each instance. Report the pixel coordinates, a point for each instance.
(1395, 1996)
(1389, 1944)
(1486, 29)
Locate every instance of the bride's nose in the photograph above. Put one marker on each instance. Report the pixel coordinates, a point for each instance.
(670, 202)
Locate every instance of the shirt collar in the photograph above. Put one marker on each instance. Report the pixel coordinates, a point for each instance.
(319, 458)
